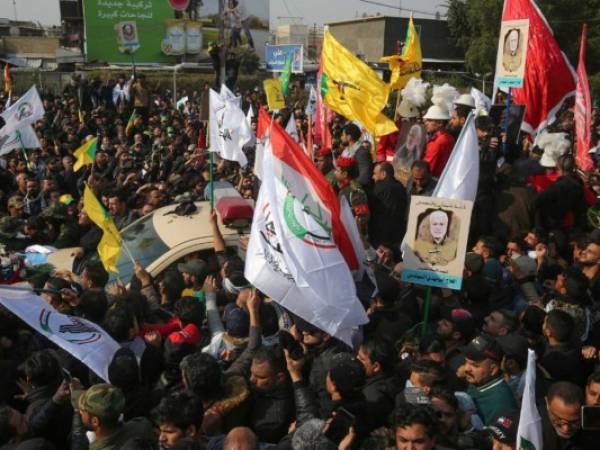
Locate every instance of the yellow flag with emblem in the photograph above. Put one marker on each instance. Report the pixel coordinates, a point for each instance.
(275, 98)
(351, 88)
(109, 248)
(408, 64)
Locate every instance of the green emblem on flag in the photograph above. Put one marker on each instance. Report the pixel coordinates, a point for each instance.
(526, 445)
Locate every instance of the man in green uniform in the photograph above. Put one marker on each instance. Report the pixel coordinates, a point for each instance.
(63, 231)
(100, 407)
(346, 172)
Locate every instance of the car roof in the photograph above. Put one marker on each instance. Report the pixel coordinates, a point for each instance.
(174, 229)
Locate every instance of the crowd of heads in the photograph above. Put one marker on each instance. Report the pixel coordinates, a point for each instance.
(206, 361)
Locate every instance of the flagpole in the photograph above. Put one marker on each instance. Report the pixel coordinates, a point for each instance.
(210, 180)
(426, 308)
(506, 122)
(18, 133)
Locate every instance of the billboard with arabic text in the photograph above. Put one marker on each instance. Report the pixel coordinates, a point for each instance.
(276, 56)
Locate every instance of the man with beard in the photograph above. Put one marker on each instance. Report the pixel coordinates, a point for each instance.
(462, 107)
(99, 409)
(483, 373)
(590, 263)
(322, 348)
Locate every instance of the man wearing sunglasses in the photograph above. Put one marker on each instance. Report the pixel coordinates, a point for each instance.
(561, 416)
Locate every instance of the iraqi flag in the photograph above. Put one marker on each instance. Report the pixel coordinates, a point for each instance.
(304, 243)
(549, 77)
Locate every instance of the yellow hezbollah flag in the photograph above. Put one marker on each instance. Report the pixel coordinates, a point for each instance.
(352, 89)
(109, 248)
(129, 126)
(410, 63)
(275, 98)
(85, 154)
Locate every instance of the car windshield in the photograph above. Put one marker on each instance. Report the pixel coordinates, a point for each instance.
(144, 244)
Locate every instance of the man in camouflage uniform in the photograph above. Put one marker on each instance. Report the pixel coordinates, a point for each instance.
(63, 231)
(99, 408)
(346, 171)
(10, 234)
(324, 162)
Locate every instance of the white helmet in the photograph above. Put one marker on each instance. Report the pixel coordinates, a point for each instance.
(436, 112)
(465, 100)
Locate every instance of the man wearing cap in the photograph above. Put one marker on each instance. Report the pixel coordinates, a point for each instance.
(439, 143)
(16, 206)
(194, 273)
(515, 348)
(482, 370)
(503, 431)
(99, 408)
(324, 162)
(463, 105)
(63, 231)
(456, 327)
(345, 174)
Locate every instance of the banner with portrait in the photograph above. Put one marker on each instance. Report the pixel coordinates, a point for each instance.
(512, 53)
(410, 147)
(436, 241)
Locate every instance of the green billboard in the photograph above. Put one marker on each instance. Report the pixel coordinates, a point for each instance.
(115, 28)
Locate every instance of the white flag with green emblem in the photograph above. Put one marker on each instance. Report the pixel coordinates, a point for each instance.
(302, 245)
(529, 436)
(83, 339)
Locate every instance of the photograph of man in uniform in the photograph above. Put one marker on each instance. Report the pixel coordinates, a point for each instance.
(513, 51)
(411, 149)
(436, 240)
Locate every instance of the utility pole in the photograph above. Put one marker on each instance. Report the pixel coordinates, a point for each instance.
(15, 8)
(222, 43)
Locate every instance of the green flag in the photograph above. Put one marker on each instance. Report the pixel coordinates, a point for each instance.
(285, 75)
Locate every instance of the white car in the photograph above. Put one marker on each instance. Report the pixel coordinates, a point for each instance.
(163, 238)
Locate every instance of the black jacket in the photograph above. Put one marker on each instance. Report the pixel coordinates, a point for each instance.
(320, 364)
(47, 419)
(380, 393)
(561, 197)
(387, 204)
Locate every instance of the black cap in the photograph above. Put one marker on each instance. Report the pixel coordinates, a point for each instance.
(483, 347)
(514, 346)
(461, 319)
(504, 428)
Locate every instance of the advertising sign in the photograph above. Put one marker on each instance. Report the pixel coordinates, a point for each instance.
(113, 25)
(156, 31)
(512, 53)
(436, 241)
(276, 56)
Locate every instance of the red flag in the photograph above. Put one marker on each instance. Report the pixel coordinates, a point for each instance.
(549, 78)
(583, 110)
(264, 120)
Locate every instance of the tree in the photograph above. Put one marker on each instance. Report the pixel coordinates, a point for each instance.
(475, 26)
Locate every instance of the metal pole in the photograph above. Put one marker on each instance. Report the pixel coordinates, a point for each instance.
(222, 43)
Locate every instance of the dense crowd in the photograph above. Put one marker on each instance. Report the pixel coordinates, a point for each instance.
(206, 361)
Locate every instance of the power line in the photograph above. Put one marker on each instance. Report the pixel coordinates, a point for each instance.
(386, 5)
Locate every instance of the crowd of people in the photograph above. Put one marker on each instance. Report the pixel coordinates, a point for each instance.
(208, 362)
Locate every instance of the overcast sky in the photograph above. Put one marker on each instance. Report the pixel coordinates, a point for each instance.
(311, 11)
